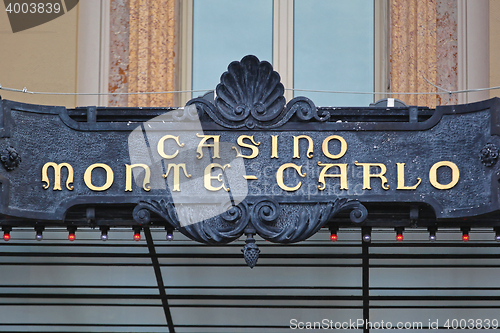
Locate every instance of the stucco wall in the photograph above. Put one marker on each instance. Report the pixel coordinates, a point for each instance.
(41, 59)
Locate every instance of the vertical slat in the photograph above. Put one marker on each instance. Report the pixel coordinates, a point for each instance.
(447, 49)
(156, 40)
(185, 47)
(170, 67)
(152, 51)
(283, 40)
(119, 52)
(133, 48)
(411, 71)
(413, 50)
(398, 43)
(143, 59)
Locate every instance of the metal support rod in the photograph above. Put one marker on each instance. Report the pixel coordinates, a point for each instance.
(159, 280)
(366, 284)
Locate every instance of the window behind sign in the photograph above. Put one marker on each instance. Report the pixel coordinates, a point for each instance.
(333, 50)
(313, 44)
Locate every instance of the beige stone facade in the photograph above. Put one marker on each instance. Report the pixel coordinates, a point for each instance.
(127, 46)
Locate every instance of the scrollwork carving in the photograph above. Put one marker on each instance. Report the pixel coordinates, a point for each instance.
(266, 213)
(305, 110)
(142, 215)
(188, 112)
(358, 213)
(221, 229)
(261, 219)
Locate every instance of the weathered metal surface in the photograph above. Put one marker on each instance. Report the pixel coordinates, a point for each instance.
(301, 167)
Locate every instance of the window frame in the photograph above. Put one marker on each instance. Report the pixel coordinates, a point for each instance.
(93, 52)
(283, 50)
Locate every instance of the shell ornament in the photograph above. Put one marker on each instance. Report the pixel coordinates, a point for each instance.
(250, 92)
(250, 95)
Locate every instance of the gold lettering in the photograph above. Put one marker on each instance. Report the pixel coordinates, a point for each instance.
(455, 175)
(57, 176)
(296, 146)
(208, 177)
(202, 144)
(255, 150)
(161, 146)
(343, 147)
(342, 175)
(367, 176)
(274, 145)
(128, 177)
(87, 177)
(401, 179)
(177, 176)
(279, 176)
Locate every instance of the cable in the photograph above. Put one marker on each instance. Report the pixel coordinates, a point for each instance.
(26, 91)
(435, 86)
(363, 92)
(443, 91)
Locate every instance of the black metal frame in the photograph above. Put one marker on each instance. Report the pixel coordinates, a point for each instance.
(238, 295)
(250, 98)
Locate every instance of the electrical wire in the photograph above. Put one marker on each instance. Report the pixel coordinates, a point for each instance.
(443, 91)
(26, 91)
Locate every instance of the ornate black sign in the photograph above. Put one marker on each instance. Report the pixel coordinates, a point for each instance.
(249, 163)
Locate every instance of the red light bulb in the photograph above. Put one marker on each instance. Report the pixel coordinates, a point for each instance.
(137, 236)
(71, 236)
(465, 237)
(6, 236)
(399, 237)
(334, 237)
